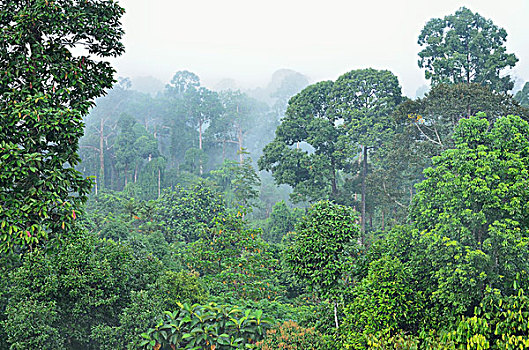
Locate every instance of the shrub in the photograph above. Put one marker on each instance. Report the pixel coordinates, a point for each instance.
(208, 326)
(290, 336)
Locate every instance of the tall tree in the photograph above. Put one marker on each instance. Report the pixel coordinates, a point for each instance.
(308, 150)
(100, 128)
(364, 99)
(202, 106)
(424, 128)
(182, 82)
(465, 48)
(45, 91)
(240, 116)
(472, 212)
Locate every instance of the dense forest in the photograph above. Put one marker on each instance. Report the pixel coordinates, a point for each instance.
(300, 215)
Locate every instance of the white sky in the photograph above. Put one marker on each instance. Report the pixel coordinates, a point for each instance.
(248, 40)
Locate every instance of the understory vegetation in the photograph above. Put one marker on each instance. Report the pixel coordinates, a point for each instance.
(334, 215)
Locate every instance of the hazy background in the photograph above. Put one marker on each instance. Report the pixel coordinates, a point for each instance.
(247, 40)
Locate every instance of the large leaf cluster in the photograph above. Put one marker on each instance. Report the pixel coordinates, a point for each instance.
(465, 47)
(319, 254)
(209, 326)
(46, 90)
(184, 213)
(323, 128)
(75, 298)
(234, 260)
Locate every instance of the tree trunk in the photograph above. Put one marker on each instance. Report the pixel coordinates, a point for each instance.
(126, 173)
(112, 176)
(201, 169)
(383, 221)
(239, 141)
(336, 315)
(101, 156)
(136, 172)
(200, 135)
(364, 175)
(333, 180)
(159, 182)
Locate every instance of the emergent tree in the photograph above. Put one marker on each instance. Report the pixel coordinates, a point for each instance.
(465, 48)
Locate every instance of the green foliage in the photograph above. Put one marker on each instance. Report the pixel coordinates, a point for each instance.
(312, 150)
(234, 260)
(469, 234)
(282, 220)
(207, 326)
(136, 155)
(499, 322)
(183, 213)
(62, 300)
(522, 96)
(384, 302)
(31, 325)
(364, 99)
(202, 106)
(181, 286)
(435, 117)
(181, 82)
(279, 310)
(291, 336)
(312, 171)
(397, 341)
(46, 91)
(320, 251)
(193, 159)
(154, 244)
(465, 47)
(423, 129)
(238, 181)
(471, 202)
(242, 118)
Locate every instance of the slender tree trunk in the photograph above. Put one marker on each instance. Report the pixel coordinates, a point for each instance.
(112, 176)
(333, 179)
(364, 175)
(126, 173)
(336, 315)
(201, 169)
(200, 135)
(136, 172)
(239, 140)
(101, 156)
(468, 62)
(383, 221)
(159, 182)
(223, 150)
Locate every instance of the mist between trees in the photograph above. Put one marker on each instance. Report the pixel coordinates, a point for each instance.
(328, 215)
